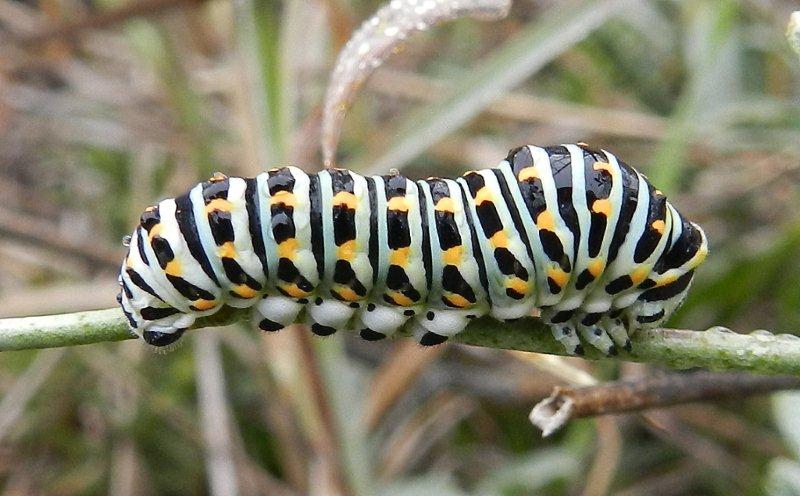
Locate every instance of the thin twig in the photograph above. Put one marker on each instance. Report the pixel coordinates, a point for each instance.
(627, 396)
(716, 348)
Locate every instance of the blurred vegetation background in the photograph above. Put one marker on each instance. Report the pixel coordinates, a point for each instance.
(107, 106)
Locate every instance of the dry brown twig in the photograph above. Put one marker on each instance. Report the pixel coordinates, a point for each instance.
(568, 403)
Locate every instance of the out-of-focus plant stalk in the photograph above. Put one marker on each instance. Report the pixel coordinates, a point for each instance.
(376, 40)
(716, 348)
(793, 32)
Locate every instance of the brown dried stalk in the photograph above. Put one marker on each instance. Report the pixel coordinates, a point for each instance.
(627, 396)
(69, 29)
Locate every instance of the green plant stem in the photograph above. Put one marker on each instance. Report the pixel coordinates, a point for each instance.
(716, 348)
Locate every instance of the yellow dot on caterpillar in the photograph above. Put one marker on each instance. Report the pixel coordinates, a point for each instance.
(347, 250)
(217, 177)
(482, 196)
(155, 231)
(286, 198)
(528, 173)
(452, 256)
(346, 293)
(288, 248)
(293, 291)
(559, 276)
(499, 239)
(545, 221)
(517, 285)
(173, 268)
(244, 291)
(345, 198)
(603, 166)
(658, 226)
(227, 250)
(400, 299)
(398, 203)
(202, 305)
(639, 274)
(445, 204)
(457, 300)
(399, 256)
(602, 206)
(218, 204)
(667, 278)
(596, 266)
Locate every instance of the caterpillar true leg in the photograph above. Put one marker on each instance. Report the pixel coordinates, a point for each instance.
(571, 231)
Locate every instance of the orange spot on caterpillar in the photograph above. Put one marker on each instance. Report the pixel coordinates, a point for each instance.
(602, 206)
(173, 268)
(499, 239)
(399, 256)
(596, 266)
(452, 256)
(244, 291)
(347, 250)
(288, 248)
(344, 198)
(398, 203)
(202, 305)
(456, 300)
(283, 197)
(400, 299)
(517, 285)
(483, 195)
(227, 250)
(558, 276)
(528, 173)
(218, 204)
(546, 221)
(445, 204)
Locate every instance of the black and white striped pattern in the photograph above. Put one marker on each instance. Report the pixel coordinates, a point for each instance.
(567, 231)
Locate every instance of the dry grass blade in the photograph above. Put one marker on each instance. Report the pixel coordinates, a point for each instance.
(214, 416)
(606, 458)
(395, 376)
(375, 41)
(411, 441)
(24, 389)
(528, 108)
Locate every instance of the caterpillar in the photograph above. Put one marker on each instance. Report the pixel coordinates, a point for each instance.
(568, 231)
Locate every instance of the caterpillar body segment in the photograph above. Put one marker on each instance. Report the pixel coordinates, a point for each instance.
(569, 231)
